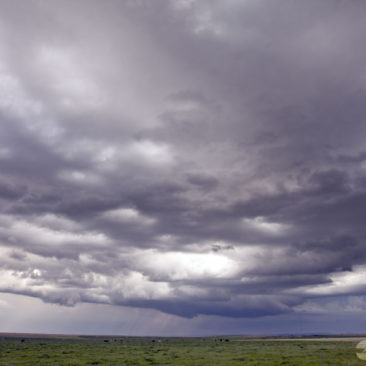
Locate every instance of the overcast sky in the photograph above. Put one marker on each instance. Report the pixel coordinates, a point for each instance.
(182, 167)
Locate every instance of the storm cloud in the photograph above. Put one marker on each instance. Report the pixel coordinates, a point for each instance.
(193, 157)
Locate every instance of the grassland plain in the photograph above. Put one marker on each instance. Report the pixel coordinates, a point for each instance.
(228, 351)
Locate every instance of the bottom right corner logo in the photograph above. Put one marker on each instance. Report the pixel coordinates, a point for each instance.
(361, 350)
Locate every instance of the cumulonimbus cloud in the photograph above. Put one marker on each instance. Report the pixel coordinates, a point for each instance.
(192, 157)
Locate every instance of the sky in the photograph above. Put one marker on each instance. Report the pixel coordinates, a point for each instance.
(182, 167)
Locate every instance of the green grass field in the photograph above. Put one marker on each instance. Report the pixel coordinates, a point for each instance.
(175, 351)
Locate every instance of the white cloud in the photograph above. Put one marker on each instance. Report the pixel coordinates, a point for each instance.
(128, 215)
(259, 223)
(341, 283)
(30, 112)
(137, 286)
(67, 76)
(14, 101)
(151, 152)
(57, 222)
(80, 177)
(24, 232)
(181, 265)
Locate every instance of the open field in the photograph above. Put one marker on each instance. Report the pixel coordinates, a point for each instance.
(83, 350)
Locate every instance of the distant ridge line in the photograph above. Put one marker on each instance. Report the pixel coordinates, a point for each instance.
(304, 337)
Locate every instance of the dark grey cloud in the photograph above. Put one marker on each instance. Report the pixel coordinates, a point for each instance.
(204, 182)
(200, 158)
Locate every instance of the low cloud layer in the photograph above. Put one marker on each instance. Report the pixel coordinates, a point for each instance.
(192, 157)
